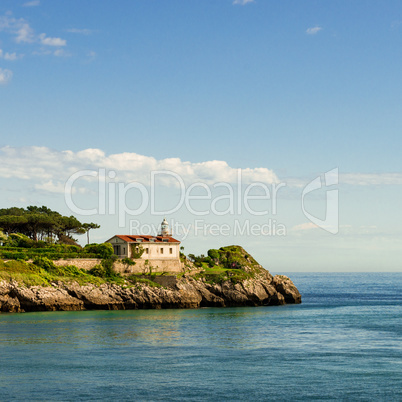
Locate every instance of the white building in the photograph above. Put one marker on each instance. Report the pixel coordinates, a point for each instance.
(161, 252)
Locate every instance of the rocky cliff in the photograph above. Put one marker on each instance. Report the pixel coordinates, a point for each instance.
(227, 277)
(186, 292)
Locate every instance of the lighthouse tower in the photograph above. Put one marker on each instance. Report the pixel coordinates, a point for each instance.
(164, 228)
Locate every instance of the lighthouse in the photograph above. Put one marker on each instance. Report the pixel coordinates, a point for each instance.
(164, 228)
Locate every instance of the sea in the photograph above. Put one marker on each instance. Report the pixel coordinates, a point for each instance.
(344, 342)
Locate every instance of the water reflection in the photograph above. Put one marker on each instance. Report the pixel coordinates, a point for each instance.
(222, 328)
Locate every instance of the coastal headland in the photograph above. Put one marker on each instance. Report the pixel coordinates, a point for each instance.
(227, 277)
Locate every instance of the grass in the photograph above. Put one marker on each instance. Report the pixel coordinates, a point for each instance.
(218, 275)
(45, 272)
(31, 275)
(232, 263)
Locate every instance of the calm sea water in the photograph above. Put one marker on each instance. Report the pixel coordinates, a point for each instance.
(343, 342)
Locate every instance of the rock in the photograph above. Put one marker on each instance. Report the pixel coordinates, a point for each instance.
(8, 303)
(187, 292)
(95, 298)
(36, 298)
(287, 288)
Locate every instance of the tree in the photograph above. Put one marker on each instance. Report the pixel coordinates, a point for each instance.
(41, 223)
(12, 223)
(3, 237)
(127, 262)
(104, 250)
(88, 226)
(37, 222)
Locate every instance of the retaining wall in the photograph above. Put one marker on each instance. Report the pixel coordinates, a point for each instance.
(160, 265)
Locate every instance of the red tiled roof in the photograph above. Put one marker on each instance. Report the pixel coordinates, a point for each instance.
(146, 239)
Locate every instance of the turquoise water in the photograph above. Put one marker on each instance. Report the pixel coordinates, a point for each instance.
(343, 342)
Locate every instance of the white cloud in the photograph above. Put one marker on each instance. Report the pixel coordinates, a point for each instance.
(354, 179)
(51, 187)
(83, 31)
(45, 166)
(5, 76)
(371, 179)
(61, 53)
(25, 34)
(242, 2)
(9, 56)
(44, 40)
(50, 168)
(313, 30)
(304, 226)
(33, 3)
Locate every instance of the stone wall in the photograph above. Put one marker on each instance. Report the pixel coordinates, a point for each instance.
(140, 266)
(155, 265)
(84, 263)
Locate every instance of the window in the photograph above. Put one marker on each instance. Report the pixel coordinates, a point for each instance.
(124, 251)
(161, 250)
(170, 250)
(146, 250)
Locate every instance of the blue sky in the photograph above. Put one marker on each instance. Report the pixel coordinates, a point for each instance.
(293, 87)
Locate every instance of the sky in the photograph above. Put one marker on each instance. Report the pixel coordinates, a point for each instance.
(170, 99)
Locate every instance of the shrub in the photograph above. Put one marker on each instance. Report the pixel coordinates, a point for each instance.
(127, 262)
(214, 254)
(98, 270)
(105, 269)
(108, 263)
(45, 263)
(104, 250)
(40, 244)
(19, 240)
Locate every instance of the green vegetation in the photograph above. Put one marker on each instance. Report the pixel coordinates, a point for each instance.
(87, 227)
(230, 257)
(127, 262)
(105, 270)
(43, 272)
(230, 263)
(19, 246)
(103, 250)
(39, 231)
(220, 275)
(136, 251)
(42, 224)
